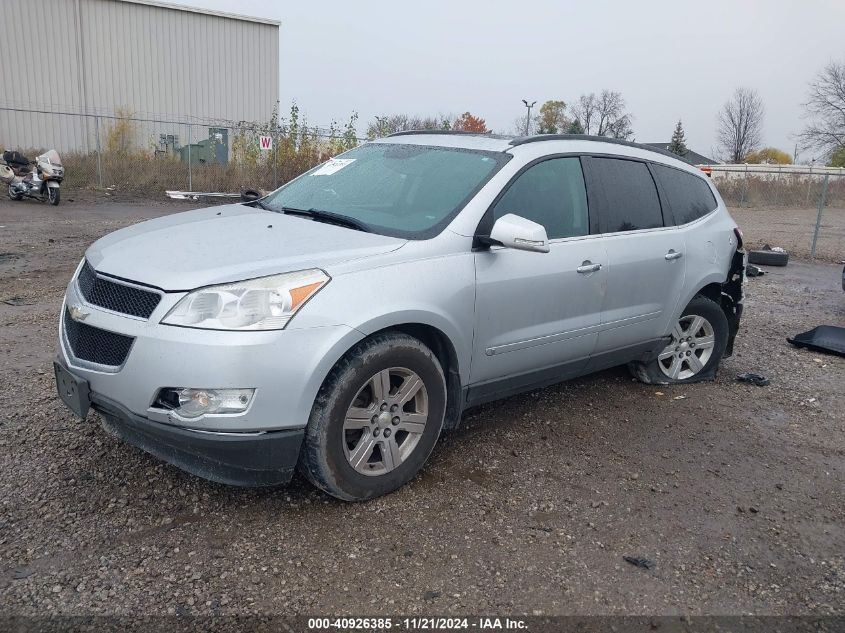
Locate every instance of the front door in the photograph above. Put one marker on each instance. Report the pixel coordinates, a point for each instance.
(538, 314)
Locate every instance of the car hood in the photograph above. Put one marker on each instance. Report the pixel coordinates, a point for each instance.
(228, 243)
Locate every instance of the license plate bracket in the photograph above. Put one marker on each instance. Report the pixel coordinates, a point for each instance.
(73, 391)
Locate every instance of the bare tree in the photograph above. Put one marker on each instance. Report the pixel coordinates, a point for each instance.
(518, 126)
(826, 110)
(603, 115)
(385, 125)
(740, 128)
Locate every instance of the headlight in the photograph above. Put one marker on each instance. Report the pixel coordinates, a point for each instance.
(265, 303)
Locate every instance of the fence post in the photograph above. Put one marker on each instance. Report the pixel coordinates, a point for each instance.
(777, 182)
(99, 158)
(819, 216)
(745, 188)
(275, 155)
(809, 184)
(190, 175)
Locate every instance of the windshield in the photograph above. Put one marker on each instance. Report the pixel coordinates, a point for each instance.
(51, 156)
(410, 191)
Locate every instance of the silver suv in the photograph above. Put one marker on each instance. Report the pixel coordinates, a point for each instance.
(339, 324)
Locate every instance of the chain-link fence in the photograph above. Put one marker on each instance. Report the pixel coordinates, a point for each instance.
(801, 208)
(149, 155)
(798, 207)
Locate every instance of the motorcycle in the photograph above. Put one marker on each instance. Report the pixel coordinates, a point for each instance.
(41, 182)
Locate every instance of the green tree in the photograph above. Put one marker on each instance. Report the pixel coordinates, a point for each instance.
(769, 156)
(837, 158)
(552, 118)
(678, 144)
(575, 127)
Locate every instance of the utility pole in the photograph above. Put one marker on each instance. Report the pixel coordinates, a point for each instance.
(528, 116)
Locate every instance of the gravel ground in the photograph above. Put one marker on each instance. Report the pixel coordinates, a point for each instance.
(734, 491)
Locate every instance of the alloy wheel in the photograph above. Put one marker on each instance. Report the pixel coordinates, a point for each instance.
(385, 421)
(693, 340)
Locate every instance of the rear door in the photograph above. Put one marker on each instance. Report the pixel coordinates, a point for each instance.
(538, 314)
(646, 264)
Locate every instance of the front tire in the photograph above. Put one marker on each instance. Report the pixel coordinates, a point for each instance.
(376, 418)
(53, 196)
(699, 339)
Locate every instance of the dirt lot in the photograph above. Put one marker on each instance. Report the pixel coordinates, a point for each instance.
(736, 492)
(792, 229)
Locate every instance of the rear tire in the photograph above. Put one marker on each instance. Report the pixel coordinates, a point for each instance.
(13, 195)
(699, 339)
(376, 418)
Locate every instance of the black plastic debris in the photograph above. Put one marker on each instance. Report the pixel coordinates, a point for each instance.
(754, 379)
(824, 338)
(753, 271)
(639, 562)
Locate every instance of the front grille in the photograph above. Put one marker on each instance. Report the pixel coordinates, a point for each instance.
(103, 292)
(95, 345)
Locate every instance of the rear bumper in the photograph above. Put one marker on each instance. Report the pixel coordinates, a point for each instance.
(237, 459)
(732, 297)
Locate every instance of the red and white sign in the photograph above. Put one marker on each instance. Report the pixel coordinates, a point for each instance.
(265, 142)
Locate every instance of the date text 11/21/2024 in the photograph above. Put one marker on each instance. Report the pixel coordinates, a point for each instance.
(417, 624)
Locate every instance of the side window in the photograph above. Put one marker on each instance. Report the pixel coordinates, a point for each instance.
(689, 196)
(628, 198)
(550, 193)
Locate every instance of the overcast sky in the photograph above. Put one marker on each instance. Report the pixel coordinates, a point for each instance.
(669, 59)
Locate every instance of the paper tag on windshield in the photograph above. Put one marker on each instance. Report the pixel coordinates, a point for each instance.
(334, 165)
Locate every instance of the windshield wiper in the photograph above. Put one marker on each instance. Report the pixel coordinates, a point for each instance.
(329, 217)
(259, 204)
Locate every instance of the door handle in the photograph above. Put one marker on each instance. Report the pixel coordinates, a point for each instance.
(673, 254)
(588, 267)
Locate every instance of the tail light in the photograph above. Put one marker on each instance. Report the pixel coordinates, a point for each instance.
(738, 233)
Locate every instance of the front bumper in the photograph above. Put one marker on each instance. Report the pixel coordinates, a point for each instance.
(237, 459)
(285, 367)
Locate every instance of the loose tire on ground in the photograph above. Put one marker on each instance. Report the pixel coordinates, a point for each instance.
(358, 406)
(768, 258)
(698, 342)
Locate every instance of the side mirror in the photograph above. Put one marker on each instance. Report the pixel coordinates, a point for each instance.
(513, 231)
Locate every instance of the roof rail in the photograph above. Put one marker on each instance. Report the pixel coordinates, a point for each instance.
(536, 138)
(450, 132)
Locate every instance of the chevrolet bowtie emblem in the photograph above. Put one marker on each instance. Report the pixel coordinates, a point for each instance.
(77, 313)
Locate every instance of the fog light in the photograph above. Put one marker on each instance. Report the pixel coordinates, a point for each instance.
(192, 403)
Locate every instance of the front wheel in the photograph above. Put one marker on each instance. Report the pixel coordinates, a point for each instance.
(376, 418)
(699, 338)
(53, 195)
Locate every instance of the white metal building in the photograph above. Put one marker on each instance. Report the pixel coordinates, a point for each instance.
(156, 60)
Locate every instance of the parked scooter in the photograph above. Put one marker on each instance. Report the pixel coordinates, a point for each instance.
(41, 182)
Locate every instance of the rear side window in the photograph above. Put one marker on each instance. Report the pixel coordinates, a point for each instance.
(550, 193)
(689, 196)
(627, 199)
